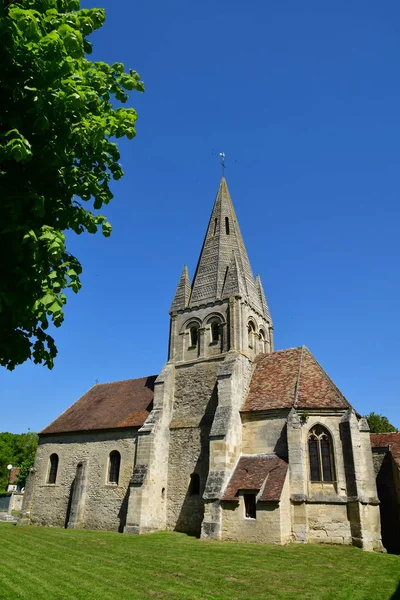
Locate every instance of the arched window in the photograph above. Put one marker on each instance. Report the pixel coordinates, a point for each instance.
(53, 468)
(320, 451)
(194, 335)
(114, 464)
(250, 333)
(194, 485)
(261, 337)
(226, 225)
(214, 332)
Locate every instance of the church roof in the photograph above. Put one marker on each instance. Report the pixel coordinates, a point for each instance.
(108, 406)
(291, 379)
(224, 267)
(387, 440)
(263, 473)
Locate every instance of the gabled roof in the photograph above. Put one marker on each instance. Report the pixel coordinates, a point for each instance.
(108, 406)
(260, 472)
(387, 440)
(291, 379)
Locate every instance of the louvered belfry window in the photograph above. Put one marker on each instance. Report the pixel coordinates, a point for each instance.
(320, 452)
(114, 465)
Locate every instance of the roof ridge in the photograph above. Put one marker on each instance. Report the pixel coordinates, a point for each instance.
(266, 354)
(122, 380)
(385, 433)
(328, 379)
(297, 385)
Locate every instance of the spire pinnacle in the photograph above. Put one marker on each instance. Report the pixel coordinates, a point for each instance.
(182, 294)
(263, 299)
(233, 284)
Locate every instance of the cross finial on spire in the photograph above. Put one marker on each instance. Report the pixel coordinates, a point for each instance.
(222, 155)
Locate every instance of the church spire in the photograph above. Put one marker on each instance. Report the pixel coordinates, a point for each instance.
(182, 294)
(223, 241)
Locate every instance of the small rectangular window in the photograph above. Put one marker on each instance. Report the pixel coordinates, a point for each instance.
(250, 506)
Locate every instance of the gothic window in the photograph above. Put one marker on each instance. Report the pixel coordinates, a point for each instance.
(226, 225)
(194, 336)
(250, 506)
(320, 451)
(214, 332)
(53, 468)
(250, 333)
(114, 464)
(194, 485)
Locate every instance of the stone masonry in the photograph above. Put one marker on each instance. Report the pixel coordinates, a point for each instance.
(232, 440)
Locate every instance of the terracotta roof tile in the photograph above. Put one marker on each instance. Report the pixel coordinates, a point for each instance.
(108, 406)
(288, 378)
(264, 472)
(383, 440)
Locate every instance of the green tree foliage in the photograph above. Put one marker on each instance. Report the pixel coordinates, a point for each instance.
(18, 450)
(59, 113)
(379, 424)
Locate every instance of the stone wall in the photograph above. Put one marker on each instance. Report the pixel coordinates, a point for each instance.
(104, 504)
(265, 435)
(194, 408)
(388, 484)
(328, 524)
(271, 525)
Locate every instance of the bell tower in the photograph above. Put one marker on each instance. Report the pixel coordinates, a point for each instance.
(224, 309)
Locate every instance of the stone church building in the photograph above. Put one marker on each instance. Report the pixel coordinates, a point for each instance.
(232, 440)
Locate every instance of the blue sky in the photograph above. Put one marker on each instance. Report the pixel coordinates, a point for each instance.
(303, 97)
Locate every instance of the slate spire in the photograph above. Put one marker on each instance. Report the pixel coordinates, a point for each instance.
(182, 294)
(222, 242)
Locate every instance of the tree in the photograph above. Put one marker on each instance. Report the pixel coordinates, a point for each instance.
(379, 424)
(59, 113)
(17, 449)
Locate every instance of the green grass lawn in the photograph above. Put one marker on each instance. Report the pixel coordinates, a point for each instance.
(55, 564)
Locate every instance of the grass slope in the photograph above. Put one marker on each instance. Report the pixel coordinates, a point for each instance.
(55, 564)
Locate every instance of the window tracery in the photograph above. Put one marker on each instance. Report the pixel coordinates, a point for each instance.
(320, 451)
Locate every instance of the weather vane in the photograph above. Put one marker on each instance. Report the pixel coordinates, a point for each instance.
(222, 155)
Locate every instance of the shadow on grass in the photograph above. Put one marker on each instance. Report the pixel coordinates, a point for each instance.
(396, 595)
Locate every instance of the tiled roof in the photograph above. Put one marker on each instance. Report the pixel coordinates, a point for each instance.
(264, 472)
(108, 406)
(383, 440)
(13, 475)
(291, 378)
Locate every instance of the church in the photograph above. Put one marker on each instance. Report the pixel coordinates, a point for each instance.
(230, 441)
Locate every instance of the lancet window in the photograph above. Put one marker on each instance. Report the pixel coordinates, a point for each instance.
(114, 464)
(53, 468)
(214, 332)
(320, 451)
(194, 336)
